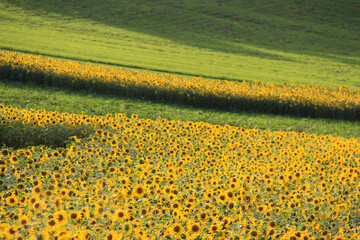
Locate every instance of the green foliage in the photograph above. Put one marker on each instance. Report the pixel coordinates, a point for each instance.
(16, 134)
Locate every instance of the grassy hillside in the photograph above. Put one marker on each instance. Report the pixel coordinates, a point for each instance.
(276, 41)
(93, 152)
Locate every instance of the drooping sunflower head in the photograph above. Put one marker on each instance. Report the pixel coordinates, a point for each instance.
(52, 224)
(61, 217)
(75, 215)
(112, 235)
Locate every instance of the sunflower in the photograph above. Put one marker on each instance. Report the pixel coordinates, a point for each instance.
(124, 181)
(177, 214)
(38, 206)
(84, 235)
(75, 215)
(305, 237)
(134, 116)
(48, 193)
(230, 194)
(121, 195)
(4, 152)
(11, 201)
(176, 205)
(24, 220)
(167, 190)
(114, 143)
(139, 191)
(3, 169)
(14, 159)
(272, 224)
(208, 195)
(172, 197)
(112, 235)
(62, 234)
(215, 227)
(61, 217)
(120, 215)
(10, 232)
(176, 229)
(253, 233)
(222, 198)
(37, 191)
(232, 205)
(52, 224)
(85, 212)
(98, 210)
(337, 237)
(261, 208)
(193, 227)
(33, 200)
(58, 203)
(150, 149)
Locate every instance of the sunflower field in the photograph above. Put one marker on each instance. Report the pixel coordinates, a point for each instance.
(130, 178)
(288, 99)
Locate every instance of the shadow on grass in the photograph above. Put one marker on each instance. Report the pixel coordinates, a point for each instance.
(312, 28)
(183, 96)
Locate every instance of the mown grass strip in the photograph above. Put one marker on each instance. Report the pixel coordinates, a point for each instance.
(29, 95)
(285, 99)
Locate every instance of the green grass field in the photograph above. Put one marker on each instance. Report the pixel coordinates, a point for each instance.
(270, 41)
(282, 41)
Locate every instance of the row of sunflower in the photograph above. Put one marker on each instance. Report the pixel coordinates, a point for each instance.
(289, 99)
(23, 128)
(143, 179)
